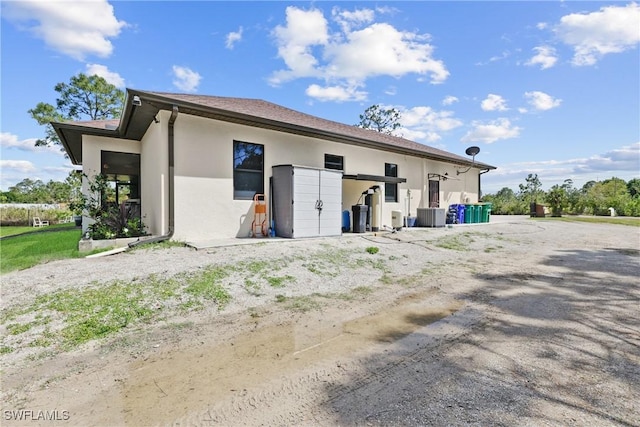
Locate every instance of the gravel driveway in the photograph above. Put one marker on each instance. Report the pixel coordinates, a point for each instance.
(515, 322)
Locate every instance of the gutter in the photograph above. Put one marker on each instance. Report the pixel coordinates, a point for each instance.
(171, 141)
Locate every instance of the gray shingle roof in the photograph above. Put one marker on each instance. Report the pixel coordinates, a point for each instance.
(286, 117)
(251, 112)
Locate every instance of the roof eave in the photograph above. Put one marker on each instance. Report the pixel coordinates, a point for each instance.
(162, 102)
(70, 135)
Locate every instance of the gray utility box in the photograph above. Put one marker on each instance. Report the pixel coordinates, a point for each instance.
(431, 217)
(307, 202)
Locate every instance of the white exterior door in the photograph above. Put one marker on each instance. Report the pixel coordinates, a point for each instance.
(306, 193)
(331, 201)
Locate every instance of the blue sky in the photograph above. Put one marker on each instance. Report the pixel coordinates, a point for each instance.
(542, 87)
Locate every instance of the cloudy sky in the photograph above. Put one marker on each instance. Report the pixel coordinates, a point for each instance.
(541, 87)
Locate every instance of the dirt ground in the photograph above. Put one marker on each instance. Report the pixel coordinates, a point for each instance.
(515, 322)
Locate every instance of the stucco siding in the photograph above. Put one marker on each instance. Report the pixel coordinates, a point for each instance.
(204, 203)
(154, 180)
(204, 195)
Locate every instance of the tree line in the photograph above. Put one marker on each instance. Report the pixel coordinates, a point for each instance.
(35, 191)
(593, 198)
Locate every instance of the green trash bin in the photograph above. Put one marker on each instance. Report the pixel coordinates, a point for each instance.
(468, 214)
(486, 212)
(477, 213)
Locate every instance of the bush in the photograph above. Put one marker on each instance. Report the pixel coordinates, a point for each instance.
(110, 220)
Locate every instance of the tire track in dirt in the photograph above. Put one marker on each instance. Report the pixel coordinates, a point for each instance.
(296, 396)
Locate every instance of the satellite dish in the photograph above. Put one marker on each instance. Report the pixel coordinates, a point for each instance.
(472, 151)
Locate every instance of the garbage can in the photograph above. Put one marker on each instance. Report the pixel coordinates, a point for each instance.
(477, 213)
(359, 218)
(461, 209)
(468, 214)
(486, 212)
(346, 221)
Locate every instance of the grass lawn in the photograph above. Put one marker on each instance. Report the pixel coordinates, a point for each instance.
(632, 221)
(27, 250)
(10, 231)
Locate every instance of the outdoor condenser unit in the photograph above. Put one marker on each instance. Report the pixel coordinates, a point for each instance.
(431, 217)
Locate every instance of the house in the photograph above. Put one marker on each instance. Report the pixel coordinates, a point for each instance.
(193, 163)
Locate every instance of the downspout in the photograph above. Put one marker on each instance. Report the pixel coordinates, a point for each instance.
(479, 187)
(169, 234)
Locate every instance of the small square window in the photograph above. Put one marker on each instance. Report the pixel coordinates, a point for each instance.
(331, 161)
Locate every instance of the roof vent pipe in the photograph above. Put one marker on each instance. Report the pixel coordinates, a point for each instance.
(172, 120)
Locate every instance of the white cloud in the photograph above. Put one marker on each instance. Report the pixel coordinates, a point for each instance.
(541, 101)
(11, 141)
(75, 29)
(295, 41)
(186, 79)
(380, 49)
(22, 166)
(347, 20)
(392, 90)
(494, 103)
(448, 100)
(428, 118)
(424, 124)
(233, 38)
(612, 29)
(504, 55)
(626, 158)
(491, 131)
(545, 57)
(623, 163)
(335, 93)
(102, 71)
(352, 53)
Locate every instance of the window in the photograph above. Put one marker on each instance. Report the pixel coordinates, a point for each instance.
(248, 170)
(331, 161)
(390, 189)
(122, 173)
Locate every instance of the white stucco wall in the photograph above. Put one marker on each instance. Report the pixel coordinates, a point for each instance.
(205, 208)
(154, 180)
(204, 204)
(92, 147)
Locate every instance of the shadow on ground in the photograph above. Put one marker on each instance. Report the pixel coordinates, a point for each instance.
(557, 347)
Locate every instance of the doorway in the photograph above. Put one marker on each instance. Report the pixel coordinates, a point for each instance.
(434, 194)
